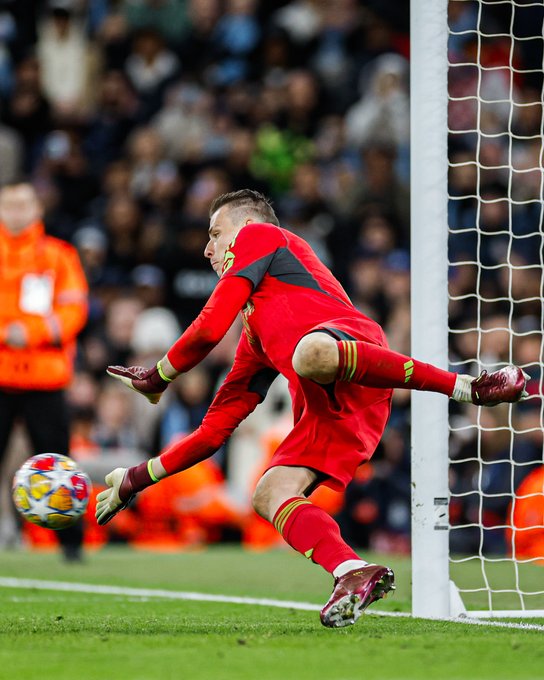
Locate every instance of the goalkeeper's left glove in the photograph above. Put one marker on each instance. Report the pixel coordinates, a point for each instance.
(124, 484)
(151, 382)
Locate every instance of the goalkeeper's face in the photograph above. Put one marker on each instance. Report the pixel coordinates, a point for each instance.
(19, 207)
(224, 226)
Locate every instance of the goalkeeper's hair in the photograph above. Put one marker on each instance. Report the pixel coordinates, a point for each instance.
(250, 201)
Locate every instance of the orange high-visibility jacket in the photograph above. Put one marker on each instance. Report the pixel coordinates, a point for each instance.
(43, 287)
(527, 513)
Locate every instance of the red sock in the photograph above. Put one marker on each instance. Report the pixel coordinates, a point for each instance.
(374, 366)
(312, 532)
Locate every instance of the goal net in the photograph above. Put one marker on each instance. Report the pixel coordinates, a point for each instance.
(491, 556)
(496, 307)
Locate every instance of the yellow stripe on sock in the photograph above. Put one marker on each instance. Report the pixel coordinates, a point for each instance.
(353, 360)
(286, 509)
(348, 359)
(349, 348)
(349, 362)
(286, 512)
(282, 518)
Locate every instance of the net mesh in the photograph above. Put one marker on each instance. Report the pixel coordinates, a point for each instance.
(496, 308)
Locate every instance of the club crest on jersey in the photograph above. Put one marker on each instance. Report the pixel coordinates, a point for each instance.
(228, 261)
(229, 257)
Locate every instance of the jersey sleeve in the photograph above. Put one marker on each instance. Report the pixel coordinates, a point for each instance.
(211, 324)
(245, 386)
(249, 255)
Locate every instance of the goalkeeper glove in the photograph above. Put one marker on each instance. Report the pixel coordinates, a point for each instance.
(151, 382)
(124, 484)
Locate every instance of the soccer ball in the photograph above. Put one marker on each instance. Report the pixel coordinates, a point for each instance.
(51, 491)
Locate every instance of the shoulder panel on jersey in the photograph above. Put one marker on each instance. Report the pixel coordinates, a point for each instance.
(250, 253)
(287, 268)
(256, 270)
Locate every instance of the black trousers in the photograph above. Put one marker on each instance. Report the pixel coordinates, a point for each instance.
(45, 417)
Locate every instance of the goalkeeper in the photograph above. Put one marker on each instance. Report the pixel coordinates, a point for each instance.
(298, 321)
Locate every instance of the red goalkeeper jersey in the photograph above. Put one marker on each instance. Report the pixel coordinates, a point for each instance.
(283, 291)
(292, 291)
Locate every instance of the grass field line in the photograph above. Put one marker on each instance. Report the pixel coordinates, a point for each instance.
(98, 589)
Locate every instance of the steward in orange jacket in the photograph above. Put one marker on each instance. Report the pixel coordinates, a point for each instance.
(43, 298)
(43, 306)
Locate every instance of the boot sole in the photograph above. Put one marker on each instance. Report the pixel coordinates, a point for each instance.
(349, 608)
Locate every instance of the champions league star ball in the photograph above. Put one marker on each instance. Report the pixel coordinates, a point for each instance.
(51, 491)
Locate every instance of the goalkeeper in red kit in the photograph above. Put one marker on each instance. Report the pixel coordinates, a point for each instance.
(298, 321)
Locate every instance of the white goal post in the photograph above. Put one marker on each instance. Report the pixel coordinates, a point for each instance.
(428, 186)
(497, 313)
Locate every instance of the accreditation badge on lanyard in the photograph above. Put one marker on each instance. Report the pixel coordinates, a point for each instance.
(36, 294)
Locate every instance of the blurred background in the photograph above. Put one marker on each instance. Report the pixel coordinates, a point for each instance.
(130, 116)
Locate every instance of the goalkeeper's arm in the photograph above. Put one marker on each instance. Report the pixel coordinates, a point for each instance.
(124, 483)
(215, 319)
(245, 386)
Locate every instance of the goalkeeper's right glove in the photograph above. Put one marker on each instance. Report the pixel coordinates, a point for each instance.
(124, 484)
(151, 382)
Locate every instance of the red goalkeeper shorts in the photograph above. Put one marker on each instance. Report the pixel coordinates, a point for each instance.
(336, 427)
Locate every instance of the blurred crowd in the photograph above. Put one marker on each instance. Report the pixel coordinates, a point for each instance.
(130, 116)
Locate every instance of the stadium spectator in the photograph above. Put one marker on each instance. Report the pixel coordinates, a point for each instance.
(150, 67)
(28, 111)
(198, 49)
(380, 184)
(69, 63)
(113, 430)
(110, 124)
(301, 18)
(122, 224)
(168, 17)
(236, 39)
(63, 160)
(383, 112)
(149, 282)
(43, 308)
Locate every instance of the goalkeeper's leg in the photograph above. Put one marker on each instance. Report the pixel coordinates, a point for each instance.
(322, 358)
(280, 498)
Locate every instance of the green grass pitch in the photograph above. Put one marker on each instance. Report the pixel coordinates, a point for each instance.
(60, 635)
